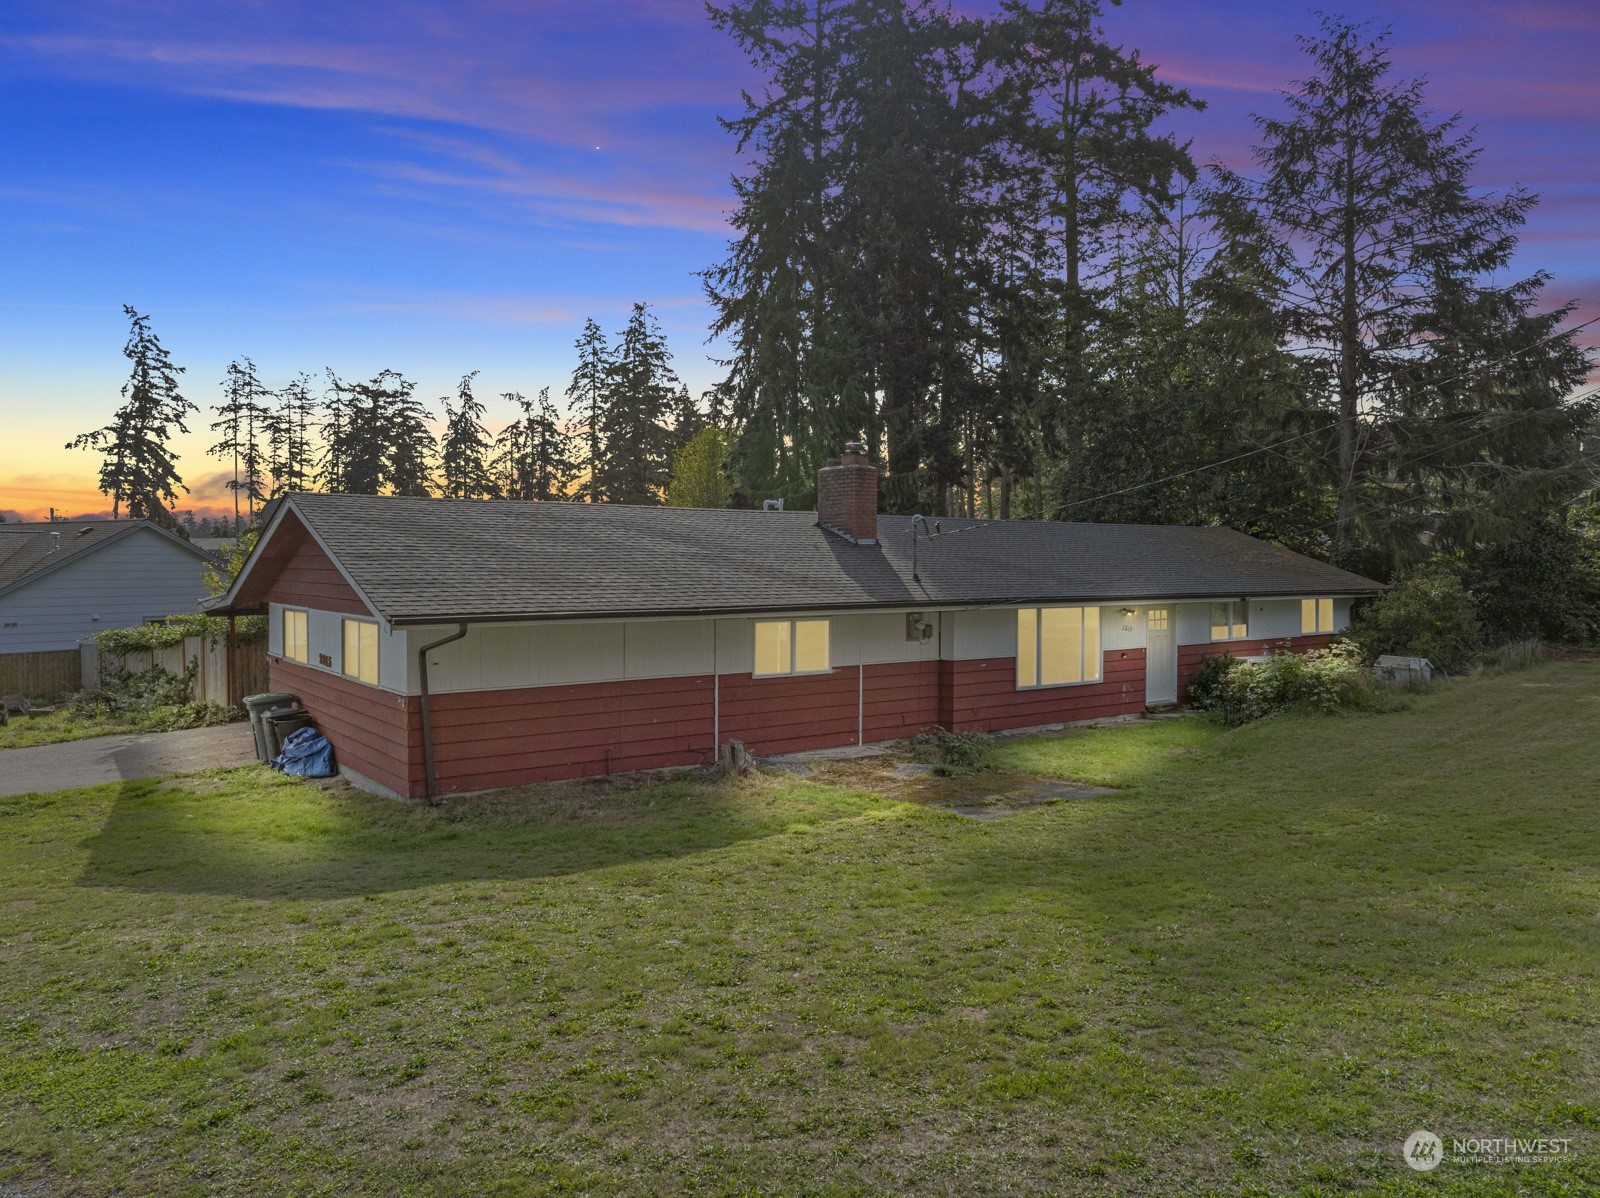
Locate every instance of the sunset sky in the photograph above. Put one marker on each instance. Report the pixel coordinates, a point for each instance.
(444, 187)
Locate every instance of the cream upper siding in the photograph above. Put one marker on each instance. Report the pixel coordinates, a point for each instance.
(514, 655)
(140, 577)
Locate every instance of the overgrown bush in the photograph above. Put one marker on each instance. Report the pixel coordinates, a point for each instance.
(156, 699)
(1542, 584)
(172, 631)
(1323, 682)
(1429, 613)
(952, 752)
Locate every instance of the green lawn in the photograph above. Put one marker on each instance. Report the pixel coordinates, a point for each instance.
(24, 731)
(1255, 970)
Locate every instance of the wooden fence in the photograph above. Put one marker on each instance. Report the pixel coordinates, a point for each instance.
(42, 676)
(216, 680)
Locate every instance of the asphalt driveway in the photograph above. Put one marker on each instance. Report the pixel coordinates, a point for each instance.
(116, 758)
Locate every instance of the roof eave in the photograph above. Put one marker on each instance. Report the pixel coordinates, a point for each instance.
(420, 619)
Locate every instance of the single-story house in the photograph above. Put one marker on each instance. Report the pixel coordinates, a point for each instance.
(63, 581)
(457, 645)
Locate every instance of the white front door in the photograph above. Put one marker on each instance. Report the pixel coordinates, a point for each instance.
(1160, 658)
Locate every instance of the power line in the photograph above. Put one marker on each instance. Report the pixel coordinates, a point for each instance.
(1395, 507)
(1156, 482)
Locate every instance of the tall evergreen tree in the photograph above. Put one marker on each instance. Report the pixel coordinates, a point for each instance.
(464, 456)
(536, 458)
(289, 457)
(376, 439)
(1390, 260)
(636, 441)
(244, 422)
(587, 392)
(140, 472)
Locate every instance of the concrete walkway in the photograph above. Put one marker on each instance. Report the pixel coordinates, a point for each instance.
(115, 758)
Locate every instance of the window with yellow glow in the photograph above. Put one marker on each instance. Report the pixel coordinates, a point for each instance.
(295, 647)
(791, 647)
(1316, 615)
(1230, 621)
(361, 651)
(1058, 646)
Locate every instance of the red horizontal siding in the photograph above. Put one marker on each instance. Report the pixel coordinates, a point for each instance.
(983, 695)
(900, 699)
(785, 715)
(484, 739)
(374, 732)
(1190, 656)
(308, 578)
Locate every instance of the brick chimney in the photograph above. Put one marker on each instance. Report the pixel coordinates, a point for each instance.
(847, 496)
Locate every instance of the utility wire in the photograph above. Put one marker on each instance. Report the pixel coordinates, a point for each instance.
(1395, 507)
(1156, 482)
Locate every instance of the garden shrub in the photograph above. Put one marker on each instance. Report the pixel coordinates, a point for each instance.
(1322, 682)
(1429, 613)
(155, 698)
(172, 631)
(952, 751)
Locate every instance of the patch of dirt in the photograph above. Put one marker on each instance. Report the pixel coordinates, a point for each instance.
(985, 794)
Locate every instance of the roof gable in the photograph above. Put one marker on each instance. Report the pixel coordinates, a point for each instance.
(30, 551)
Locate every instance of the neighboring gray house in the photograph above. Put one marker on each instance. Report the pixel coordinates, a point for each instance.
(62, 582)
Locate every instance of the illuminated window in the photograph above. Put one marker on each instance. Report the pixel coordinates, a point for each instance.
(1058, 646)
(1316, 615)
(361, 650)
(1156, 620)
(294, 635)
(791, 647)
(1230, 621)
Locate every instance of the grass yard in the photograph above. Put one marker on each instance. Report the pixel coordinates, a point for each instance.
(1253, 970)
(23, 731)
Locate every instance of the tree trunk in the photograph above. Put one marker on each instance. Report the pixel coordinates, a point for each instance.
(1005, 492)
(1349, 360)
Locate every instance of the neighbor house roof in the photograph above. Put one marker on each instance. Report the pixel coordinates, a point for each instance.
(28, 551)
(432, 560)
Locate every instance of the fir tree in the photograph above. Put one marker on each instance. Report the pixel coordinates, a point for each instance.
(289, 461)
(139, 472)
(376, 439)
(464, 456)
(640, 391)
(1389, 258)
(537, 458)
(244, 422)
(587, 395)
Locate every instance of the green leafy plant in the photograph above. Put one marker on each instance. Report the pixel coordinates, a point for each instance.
(174, 630)
(952, 752)
(1429, 613)
(154, 699)
(1322, 682)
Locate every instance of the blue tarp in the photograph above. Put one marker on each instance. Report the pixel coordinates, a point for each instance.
(306, 752)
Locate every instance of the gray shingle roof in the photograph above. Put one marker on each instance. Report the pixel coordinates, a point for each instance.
(421, 560)
(27, 550)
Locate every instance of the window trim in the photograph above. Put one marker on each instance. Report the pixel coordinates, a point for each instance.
(344, 651)
(1235, 607)
(792, 621)
(1084, 656)
(283, 634)
(1318, 605)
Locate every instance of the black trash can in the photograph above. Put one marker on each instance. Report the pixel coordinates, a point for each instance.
(281, 723)
(258, 706)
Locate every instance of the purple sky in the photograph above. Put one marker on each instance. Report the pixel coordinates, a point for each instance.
(447, 187)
